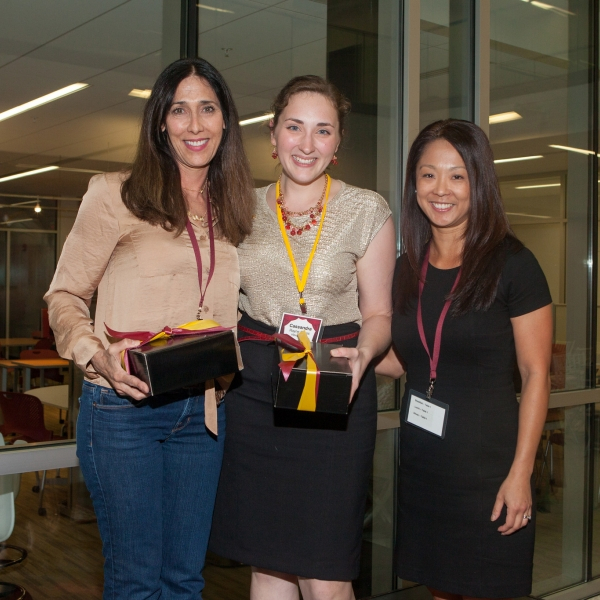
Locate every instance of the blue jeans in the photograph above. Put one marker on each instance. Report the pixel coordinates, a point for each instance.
(152, 472)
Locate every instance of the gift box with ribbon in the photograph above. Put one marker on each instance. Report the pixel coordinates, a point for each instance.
(310, 379)
(180, 357)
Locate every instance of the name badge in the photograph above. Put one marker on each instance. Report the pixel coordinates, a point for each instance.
(294, 324)
(427, 413)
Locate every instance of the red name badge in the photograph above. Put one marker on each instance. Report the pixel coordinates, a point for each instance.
(293, 324)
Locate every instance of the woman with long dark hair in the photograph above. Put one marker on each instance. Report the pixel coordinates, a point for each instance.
(152, 463)
(469, 302)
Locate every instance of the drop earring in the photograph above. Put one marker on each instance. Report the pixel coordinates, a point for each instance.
(334, 161)
(274, 154)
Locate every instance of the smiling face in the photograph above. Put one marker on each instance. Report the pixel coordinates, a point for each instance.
(306, 136)
(443, 189)
(194, 123)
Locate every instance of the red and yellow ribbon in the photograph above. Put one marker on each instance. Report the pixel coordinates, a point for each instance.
(303, 349)
(145, 337)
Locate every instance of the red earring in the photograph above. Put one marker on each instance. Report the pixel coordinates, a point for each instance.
(334, 161)
(274, 154)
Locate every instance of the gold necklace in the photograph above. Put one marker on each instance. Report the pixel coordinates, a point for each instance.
(200, 218)
(201, 190)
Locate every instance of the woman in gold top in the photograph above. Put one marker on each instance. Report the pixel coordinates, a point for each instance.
(293, 488)
(152, 464)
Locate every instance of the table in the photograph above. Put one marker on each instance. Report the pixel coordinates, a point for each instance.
(17, 342)
(38, 363)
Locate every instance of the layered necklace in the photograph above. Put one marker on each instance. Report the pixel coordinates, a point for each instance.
(202, 219)
(311, 214)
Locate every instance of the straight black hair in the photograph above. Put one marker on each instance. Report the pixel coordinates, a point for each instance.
(488, 236)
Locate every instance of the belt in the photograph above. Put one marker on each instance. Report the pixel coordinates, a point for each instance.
(259, 336)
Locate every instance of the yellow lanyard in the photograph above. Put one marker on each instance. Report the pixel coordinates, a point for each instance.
(301, 283)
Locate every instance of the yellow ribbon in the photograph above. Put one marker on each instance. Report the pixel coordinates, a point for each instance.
(308, 400)
(145, 337)
(301, 282)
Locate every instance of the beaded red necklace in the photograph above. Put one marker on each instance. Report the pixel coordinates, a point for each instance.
(313, 213)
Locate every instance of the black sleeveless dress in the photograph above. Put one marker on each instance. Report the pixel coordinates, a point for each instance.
(448, 487)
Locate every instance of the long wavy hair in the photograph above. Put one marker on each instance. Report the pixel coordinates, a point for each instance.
(488, 237)
(153, 192)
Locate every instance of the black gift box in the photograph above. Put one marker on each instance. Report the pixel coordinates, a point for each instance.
(183, 361)
(334, 383)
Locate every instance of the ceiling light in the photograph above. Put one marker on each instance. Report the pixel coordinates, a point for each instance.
(37, 208)
(15, 221)
(504, 117)
(542, 185)
(17, 110)
(257, 119)
(517, 158)
(570, 149)
(206, 7)
(27, 173)
(554, 9)
(140, 93)
(526, 215)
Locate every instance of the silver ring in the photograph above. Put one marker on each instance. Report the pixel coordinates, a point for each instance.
(528, 517)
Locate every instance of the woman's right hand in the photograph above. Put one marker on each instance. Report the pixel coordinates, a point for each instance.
(108, 364)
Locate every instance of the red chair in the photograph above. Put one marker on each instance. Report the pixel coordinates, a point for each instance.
(23, 418)
(44, 344)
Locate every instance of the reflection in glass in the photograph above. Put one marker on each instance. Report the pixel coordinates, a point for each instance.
(539, 129)
(560, 481)
(446, 73)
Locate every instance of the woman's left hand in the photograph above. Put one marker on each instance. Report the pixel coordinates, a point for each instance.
(359, 362)
(515, 493)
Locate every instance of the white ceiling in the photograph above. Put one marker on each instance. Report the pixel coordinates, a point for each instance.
(116, 45)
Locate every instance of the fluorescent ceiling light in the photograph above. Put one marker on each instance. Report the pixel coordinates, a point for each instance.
(15, 221)
(27, 173)
(257, 119)
(504, 117)
(517, 158)
(526, 215)
(140, 93)
(570, 149)
(17, 110)
(206, 7)
(555, 9)
(541, 185)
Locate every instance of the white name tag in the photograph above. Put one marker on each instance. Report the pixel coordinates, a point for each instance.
(427, 413)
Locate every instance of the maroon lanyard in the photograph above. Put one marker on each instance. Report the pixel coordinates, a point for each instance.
(433, 360)
(211, 268)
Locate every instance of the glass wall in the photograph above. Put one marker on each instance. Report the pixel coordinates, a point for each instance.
(540, 128)
(541, 123)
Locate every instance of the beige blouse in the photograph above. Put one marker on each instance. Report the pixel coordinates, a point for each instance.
(146, 279)
(268, 288)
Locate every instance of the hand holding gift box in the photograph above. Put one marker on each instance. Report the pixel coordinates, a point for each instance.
(179, 357)
(310, 379)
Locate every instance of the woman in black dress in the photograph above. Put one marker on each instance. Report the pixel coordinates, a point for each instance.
(469, 301)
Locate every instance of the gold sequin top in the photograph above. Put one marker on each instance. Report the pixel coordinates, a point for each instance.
(268, 288)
